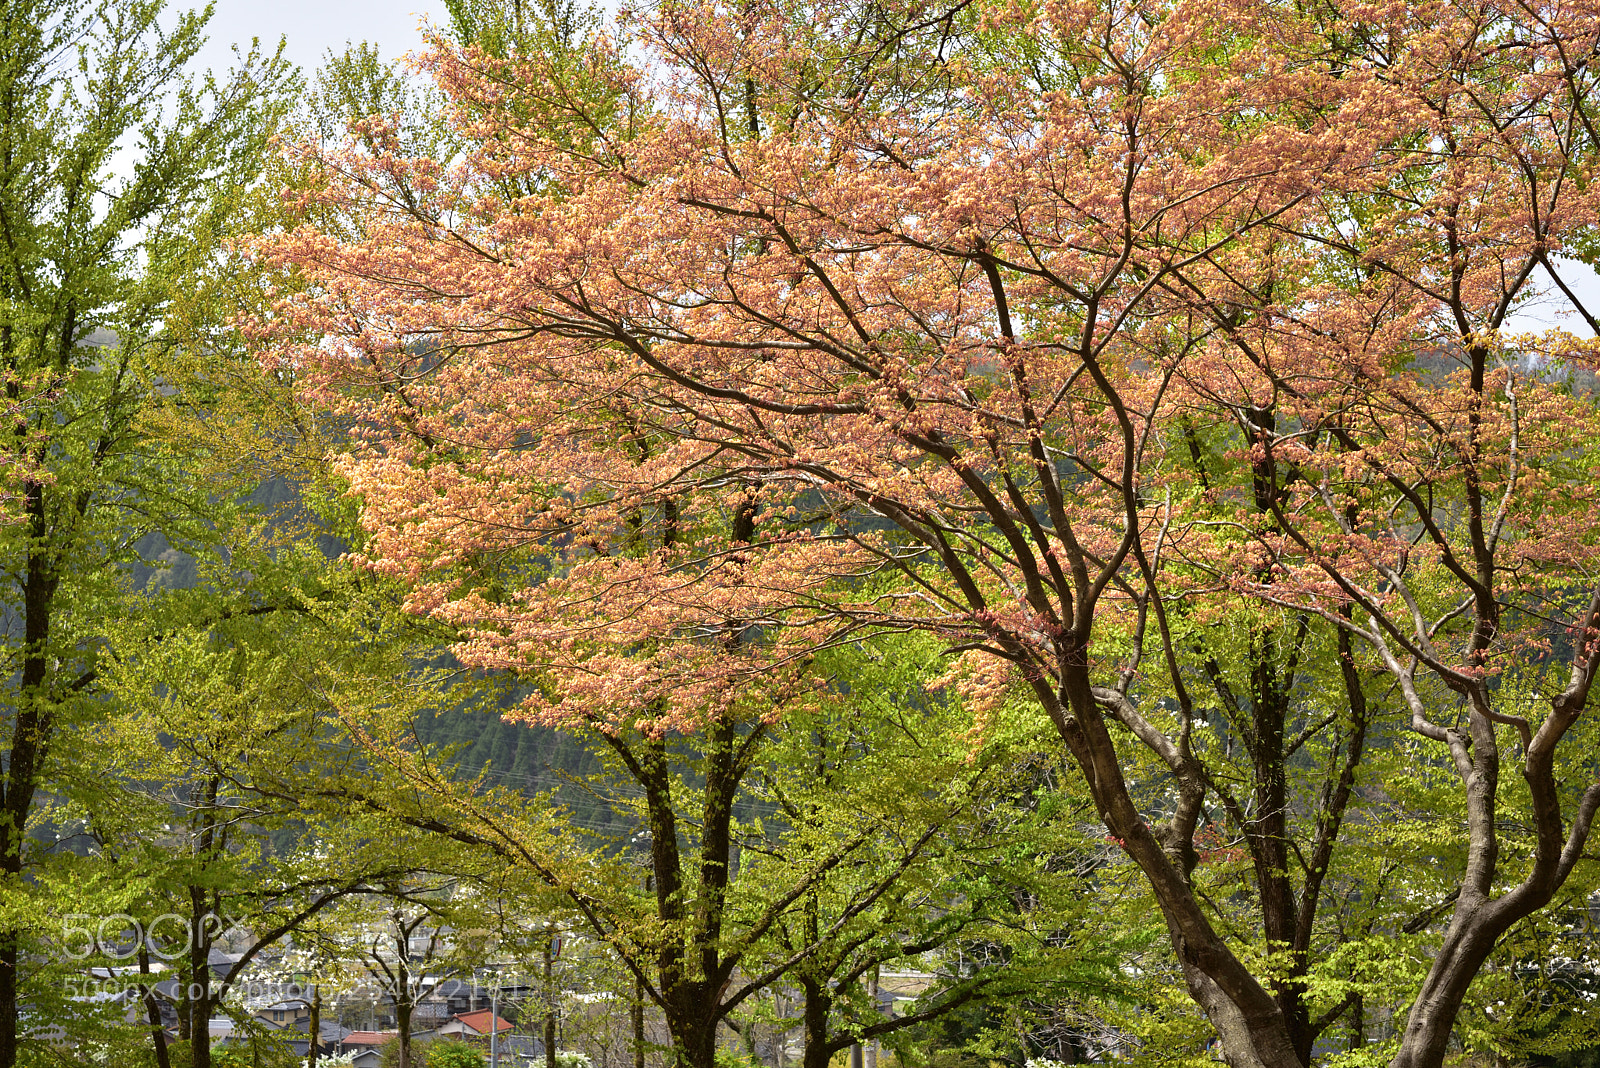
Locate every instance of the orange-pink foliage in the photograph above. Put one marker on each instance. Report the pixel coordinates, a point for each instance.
(972, 285)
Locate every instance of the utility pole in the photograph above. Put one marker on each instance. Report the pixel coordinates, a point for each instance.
(550, 949)
(860, 1056)
(494, 1023)
(780, 1036)
(872, 994)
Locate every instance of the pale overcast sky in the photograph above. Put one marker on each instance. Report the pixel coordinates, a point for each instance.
(311, 27)
(1553, 309)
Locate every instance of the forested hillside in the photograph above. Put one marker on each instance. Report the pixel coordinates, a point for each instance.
(532, 760)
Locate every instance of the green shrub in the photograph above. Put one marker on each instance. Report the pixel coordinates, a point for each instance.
(446, 1054)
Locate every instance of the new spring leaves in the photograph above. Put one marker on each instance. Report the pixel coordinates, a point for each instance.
(1052, 330)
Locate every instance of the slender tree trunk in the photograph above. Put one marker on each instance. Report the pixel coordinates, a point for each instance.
(692, 972)
(200, 940)
(690, 995)
(29, 738)
(636, 1011)
(1270, 698)
(158, 1032)
(8, 997)
(196, 998)
(1274, 654)
(314, 1027)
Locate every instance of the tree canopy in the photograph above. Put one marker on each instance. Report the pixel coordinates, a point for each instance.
(1125, 348)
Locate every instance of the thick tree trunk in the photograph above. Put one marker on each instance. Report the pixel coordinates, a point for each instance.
(818, 1006)
(1475, 928)
(1468, 941)
(402, 1020)
(1247, 1018)
(694, 1036)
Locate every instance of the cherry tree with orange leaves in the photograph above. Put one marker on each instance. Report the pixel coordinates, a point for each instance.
(1041, 328)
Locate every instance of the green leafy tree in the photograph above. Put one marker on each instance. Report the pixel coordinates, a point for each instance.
(972, 830)
(116, 168)
(200, 708)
